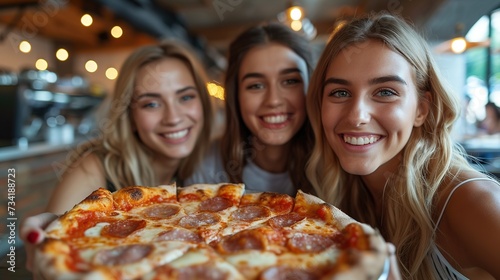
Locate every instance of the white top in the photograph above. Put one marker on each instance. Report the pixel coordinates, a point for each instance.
(211, 171)
(442, 268)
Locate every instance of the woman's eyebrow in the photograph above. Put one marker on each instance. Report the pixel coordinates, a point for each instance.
(252, 75)
(378, 80)
(259, 75)
(290, 70)
(147, 94)
(334, 80)
(184, 89)
(158, 95)
(388, 78)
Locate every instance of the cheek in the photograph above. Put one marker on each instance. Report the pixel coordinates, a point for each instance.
(298, 100)
(328, 117)
(144, 122)
(248, 105)
(197, 112)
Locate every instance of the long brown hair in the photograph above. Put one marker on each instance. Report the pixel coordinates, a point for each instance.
(236, 141)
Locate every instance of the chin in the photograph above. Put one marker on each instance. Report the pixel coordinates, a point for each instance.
(357, 169)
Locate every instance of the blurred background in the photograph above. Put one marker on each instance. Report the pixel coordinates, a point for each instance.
(59, 60)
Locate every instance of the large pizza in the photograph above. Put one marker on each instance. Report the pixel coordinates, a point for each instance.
(208, 232)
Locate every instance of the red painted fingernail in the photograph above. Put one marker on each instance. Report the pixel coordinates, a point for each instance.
(33, 237)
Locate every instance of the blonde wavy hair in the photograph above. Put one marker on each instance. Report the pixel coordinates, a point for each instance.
(127, 161)
(430, 156)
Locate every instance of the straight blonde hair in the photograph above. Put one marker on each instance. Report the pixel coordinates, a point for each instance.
(127, 161)
(430, 156)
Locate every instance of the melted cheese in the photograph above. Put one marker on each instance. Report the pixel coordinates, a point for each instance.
(95, 231)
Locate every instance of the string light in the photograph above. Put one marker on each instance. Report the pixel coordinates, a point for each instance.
(25, 47)
(296, 25)
(62, 54)
(41, 64)
(86, 20)
(295, 13)
(116, 31)
(458, 45)
(111, 73)
(91, 66)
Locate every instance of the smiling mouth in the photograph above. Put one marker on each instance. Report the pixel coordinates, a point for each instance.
(360, 141)
(275, 119)
(176, 135)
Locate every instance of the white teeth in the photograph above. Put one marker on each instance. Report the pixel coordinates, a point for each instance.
(276, 119)
(359, 141)
(176, 135)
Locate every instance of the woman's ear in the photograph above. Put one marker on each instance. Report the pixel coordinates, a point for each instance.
(423, 109)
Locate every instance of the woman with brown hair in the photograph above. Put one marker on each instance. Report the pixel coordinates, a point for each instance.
(267, 136)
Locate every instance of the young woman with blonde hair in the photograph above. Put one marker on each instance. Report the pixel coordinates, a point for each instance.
(156, 132)
(382, 119)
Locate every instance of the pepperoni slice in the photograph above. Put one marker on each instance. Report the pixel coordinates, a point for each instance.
(285, 220)
(251, 213)
(243, 240)
(122, 228)
(215, 204)
(161, 211)
(122, 254)
(179, 234)
(199, 220)
(285, 272)
(304, 243)
(202, 272)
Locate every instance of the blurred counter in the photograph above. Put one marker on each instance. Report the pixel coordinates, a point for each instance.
(486, 151)
(34, 149)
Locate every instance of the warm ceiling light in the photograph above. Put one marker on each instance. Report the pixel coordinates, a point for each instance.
(41, 64)
(86, 20)
(296, 25)
(295, 13)
(116, 31)
(25, 46)
(458, 45)
(111, 73)
(91, 66)
(62, 54)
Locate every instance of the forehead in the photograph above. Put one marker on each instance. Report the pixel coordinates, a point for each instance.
(270, 58)
(163, 72)
(367, 60)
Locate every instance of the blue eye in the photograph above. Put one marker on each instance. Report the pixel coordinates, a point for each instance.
(255, 86)
(187, 97)
(339, 93)
(386, 92)
(151, 105)
(292, 81)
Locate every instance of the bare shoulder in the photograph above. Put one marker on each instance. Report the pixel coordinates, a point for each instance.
(79, 180)
(472, 220)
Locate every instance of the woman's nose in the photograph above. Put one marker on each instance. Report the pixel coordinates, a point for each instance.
(359, 112)
(171, 116)
(274, 97)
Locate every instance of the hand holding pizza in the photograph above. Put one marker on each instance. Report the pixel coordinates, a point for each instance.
(32, 234)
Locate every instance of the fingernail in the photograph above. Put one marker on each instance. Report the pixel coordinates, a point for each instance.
(33, 237)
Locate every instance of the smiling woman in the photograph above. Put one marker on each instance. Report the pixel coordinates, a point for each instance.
(155, 133)
(384, 154)
(267, 138)
(159, 113)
